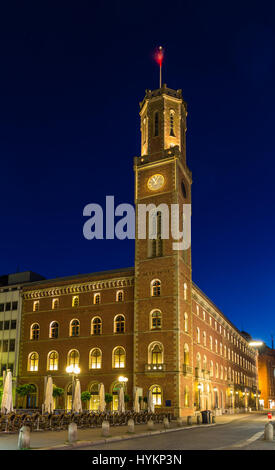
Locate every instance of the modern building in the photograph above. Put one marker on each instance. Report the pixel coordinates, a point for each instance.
(10, 319)
(149, 326)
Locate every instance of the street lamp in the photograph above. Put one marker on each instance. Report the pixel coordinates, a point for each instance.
(73, 370)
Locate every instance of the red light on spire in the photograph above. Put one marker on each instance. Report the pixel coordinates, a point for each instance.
(159, 55)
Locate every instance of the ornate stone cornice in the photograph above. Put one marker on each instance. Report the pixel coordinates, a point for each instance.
(81, 287)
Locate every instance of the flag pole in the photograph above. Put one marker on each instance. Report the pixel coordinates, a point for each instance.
(160, 76)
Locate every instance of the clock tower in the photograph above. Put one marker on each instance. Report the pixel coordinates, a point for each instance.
(163, 282)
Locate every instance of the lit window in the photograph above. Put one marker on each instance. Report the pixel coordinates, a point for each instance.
(157, 395)
(75, 301)
(35, 329)
(36, 306)
(185, 291)
(204, 338)
(73, 358)
(198, 335)
(186, 322)
(33, 362)
(95, 358)
(156, 354)
(53, 360)
(55, 303)
(96, 326)
(119, 357)
(186, 355)
(172, 113)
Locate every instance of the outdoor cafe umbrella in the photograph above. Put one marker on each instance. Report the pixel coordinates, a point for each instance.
(49, 404)
(102, 403)
(151, 406)
(121, 404)
(7, 405)
(77, 405)
(136, 402)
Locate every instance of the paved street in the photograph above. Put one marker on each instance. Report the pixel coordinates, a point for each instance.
(240, 434)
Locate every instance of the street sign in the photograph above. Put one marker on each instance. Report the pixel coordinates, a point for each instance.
(269, 415)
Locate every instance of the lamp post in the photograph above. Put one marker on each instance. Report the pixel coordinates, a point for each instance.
(73, 370)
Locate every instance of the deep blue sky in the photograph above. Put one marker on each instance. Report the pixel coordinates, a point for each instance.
(71, 78)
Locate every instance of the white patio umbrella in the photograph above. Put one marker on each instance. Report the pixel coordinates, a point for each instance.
(102, 402)
(151, 406)
(136, 402)
(77, 405)
(49, 403)
(121, 403)
(7, 405)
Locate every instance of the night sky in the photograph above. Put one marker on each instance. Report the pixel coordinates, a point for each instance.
(71, 79)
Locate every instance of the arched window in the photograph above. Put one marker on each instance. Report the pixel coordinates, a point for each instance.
(221, 373)
(97, 299)
(211, 369)
(75, 301)
(96, 326)
(33, 362)
(54, 327)
(94, 401)
(95, 361)
(204, 363)
(217, 371)
(155, 288)
(211, 342)
(36, 305)
(73, 358)
(186, 354)
(185, 291)
(119, 324)
(172, 114)
(156, 319)
(120, 296)
(204, 338)
(119, 358)
(55, 303)
(74, 327)
(155, 353)
(186, 396)
(155, 245)
(156, 394)
(53, 360)
(156, 124)
(198, 361)
(198, 335)
(35, 329)
(186, 322)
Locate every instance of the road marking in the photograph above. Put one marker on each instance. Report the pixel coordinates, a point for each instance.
(245, 442)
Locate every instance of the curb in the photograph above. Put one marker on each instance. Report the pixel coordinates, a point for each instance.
(124, 437)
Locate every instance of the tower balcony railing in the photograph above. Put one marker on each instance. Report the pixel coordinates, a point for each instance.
(187, 370)
(155, 367)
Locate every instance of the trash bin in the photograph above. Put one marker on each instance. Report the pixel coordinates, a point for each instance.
(205, 417)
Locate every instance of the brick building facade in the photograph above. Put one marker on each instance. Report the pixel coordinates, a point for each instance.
(150, 323)
(266, 370)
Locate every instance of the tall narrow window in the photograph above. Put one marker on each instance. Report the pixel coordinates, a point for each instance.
(172, 113)
(33, 362)
(35, 306)
(156, 124)
(35, 329)
(185, 322)
(157, 395)
(156, 353)
(119, 357)
(53, 360)
(74, 328)
(73, 358)
(75, 301)
(54, 330)
(95, 358)
(119, 324)
(96, 326)
(155, 320)
(155, 288)
(97, 299)
(55, 303)
(120, 296)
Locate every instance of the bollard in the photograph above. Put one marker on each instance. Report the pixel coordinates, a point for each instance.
(24, 438)
(268, 432)
(166, 423)
(189, 420)
(150, 424)
(72, 433)
(179, 422)
(105, 429)
(131, 426)
(198, 419)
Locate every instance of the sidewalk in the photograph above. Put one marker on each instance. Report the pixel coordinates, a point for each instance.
(57, 440)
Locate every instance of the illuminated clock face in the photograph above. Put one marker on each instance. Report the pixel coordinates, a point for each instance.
(155, 182)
